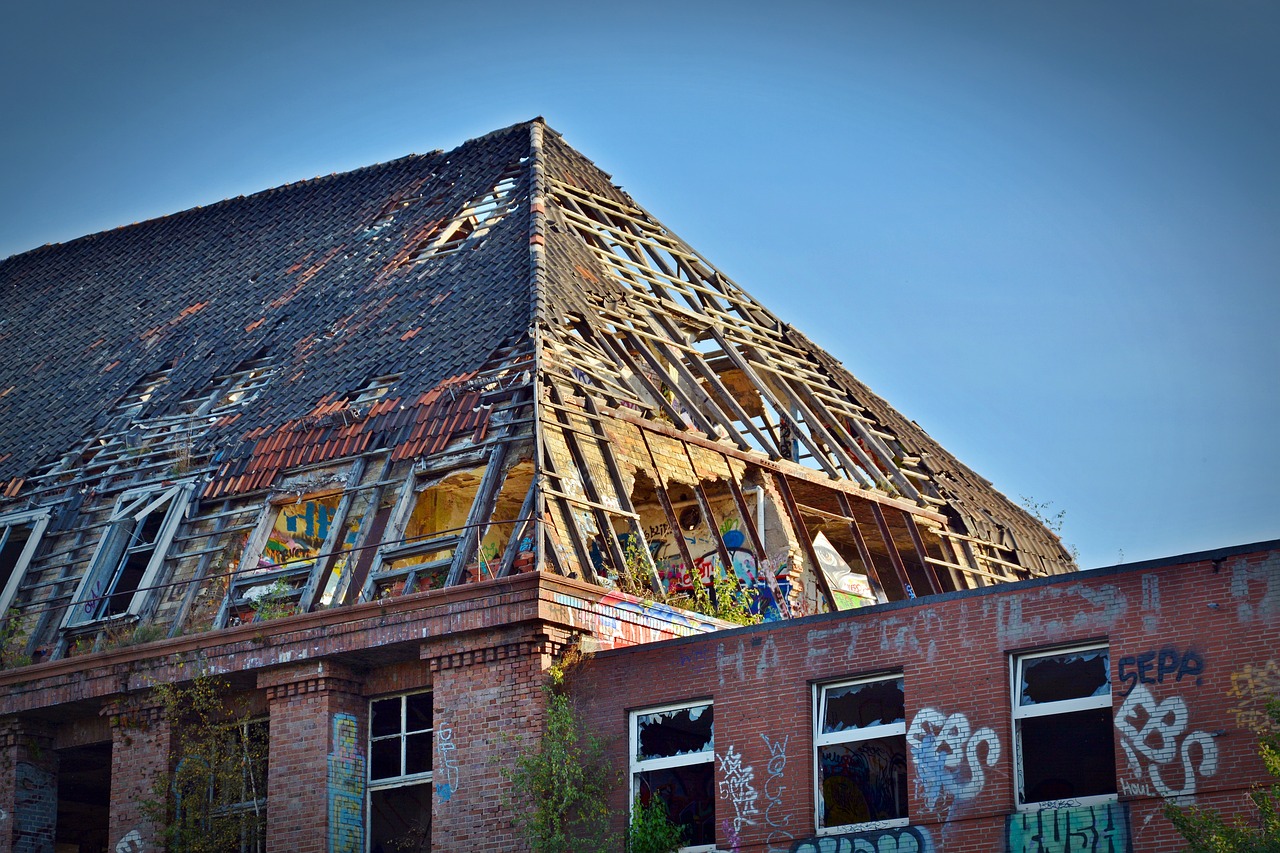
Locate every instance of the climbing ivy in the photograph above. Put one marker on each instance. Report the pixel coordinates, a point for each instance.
(651, 829)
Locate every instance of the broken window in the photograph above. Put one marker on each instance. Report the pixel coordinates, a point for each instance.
(861, 744)
(19, 535)
(1063, 729)
(672, 752)
(401, 745)
(128, 560)
(418, 553)
(297, 538)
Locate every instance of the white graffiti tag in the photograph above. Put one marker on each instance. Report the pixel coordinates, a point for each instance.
(736, 787)
(774, 813)
(1152, 731)
(949, 756)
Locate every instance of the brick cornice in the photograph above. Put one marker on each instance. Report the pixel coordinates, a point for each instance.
(528, 647)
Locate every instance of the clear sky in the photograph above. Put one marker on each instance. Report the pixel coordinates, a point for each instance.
(1047, 230)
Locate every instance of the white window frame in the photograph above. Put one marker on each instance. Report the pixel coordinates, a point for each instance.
(134, 505)
(38, 520)
(638, 766)
(404, 780)
(1045, 709)
(821, 739)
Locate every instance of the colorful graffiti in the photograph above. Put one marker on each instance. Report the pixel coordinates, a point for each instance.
(949, 757)
(1087, 829)
(769, 580)
(346, 787)
(1154, 737)
(908, 839)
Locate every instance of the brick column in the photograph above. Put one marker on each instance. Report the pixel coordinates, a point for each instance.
(141, 743)
(483, 695)
(316, 777)
(28, 787)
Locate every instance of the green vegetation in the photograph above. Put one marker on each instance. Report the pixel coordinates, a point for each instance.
(1208, 832)
(651, 829)
(13, 638)
(215, 800)
(560, 789)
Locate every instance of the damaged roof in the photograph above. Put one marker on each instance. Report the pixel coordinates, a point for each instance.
(369, 301)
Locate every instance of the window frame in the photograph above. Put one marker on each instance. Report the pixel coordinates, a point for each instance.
(638, 766)
(1021, 712)
(404, 780)
(821, 739)
(38, 520)
(133, 505)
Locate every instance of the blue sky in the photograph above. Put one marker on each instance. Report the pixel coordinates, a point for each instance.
(1047, 231)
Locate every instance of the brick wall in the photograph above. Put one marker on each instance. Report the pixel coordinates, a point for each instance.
(1194, 651)
(316, 763)
(28, 795)
(140, 748)
(485, 705)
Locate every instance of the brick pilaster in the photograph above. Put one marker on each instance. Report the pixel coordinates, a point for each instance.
(316, 773)
(28, 787)
(487, 700)
(141, 744)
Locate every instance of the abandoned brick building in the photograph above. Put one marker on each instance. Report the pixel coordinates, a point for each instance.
(374, 448)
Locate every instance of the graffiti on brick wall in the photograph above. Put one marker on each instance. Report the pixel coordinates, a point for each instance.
(346, 787)
(1164, 759)
(736, 787)
(908, 839)
(949, 757)
(1251, 687)
(131, 842)
(1086, 829)
(447, 764)
(776, 817)
(1156, 667)
(35, 812)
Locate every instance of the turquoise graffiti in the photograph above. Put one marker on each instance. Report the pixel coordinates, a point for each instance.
(1086, 829)
(346, 787)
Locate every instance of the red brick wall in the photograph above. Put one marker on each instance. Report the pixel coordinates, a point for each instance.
(140, 744)
(316, 765)
(1221, 616)
(29, 793)
(484, 705)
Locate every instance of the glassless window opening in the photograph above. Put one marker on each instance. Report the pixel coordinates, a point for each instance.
(673, 759)
(1064, 744)
(860, 741)
(125, 567)
(19, 536)
(401, 745)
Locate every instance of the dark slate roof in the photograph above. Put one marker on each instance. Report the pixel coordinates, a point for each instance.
(309, 274)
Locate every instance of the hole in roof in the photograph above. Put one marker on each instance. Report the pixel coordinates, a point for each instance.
(469, 226)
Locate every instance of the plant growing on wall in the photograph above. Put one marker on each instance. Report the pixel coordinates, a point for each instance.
(276, 603)
(1208, 832)
(12, 640)
(651, 829)
(215, 798)
(560, 788)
